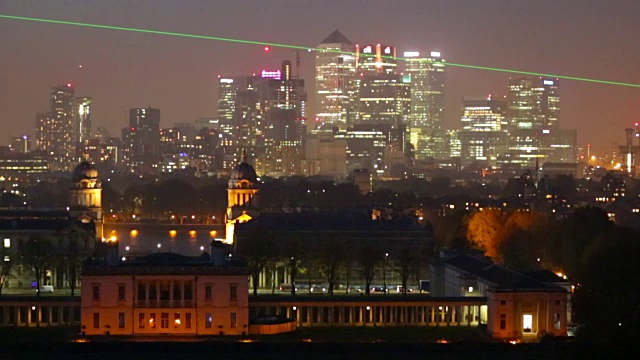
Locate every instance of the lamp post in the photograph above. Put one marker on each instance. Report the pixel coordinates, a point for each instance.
(384, 272)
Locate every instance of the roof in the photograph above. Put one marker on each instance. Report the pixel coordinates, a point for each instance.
(501, 278)
(339, 220)
(336, 37)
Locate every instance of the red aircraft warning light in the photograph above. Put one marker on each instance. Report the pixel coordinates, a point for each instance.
(267, 49)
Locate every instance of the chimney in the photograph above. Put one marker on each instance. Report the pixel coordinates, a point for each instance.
(218, 252)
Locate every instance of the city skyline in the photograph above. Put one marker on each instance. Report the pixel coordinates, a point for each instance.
(129, 78)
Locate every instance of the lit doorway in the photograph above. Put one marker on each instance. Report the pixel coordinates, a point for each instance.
(527, 323)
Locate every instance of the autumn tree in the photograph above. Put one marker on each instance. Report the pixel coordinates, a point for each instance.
(522, 239)
(484, 230)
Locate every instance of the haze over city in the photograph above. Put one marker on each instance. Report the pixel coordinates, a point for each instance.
(179, 75)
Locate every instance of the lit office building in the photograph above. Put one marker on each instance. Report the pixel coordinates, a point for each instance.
(267, 114)
(142, 139)
(385, 99)
(366, 149)
(483, 138)
(54, 130)
(484, 115)
(21, 144)
(335, 70)
(533, 103)
(427, 104)
(376, 59)
(533, 111)
(82, 123)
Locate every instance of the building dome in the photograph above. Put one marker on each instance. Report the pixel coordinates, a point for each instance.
(244, 171)
(84, 171)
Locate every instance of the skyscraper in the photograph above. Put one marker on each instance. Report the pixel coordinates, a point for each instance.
(21, 144)
(428, 135)
(142, 139)
(533, 103)
(82, 123)
(54, 130)
(483, 138)
(533, 110)
(335, 69)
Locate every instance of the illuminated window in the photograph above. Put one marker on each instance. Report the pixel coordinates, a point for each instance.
(207, 320)
(121, 320)
(152, 320)
(176, 320)
(7, 243)
(234, 320)
(527, 323)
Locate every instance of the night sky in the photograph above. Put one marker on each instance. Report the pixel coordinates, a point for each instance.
(588, 38)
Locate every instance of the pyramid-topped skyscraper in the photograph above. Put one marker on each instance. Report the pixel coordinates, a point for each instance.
(335, 69)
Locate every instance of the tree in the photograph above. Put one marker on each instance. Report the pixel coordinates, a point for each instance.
(331, 259)
(522, 239)
(369, 257)
(407, 264)
(37, 254)
(6, 264)
(257, 250)
(606, 300)
(73, 262)
(294, 253)
(576, 234)
(484, 230)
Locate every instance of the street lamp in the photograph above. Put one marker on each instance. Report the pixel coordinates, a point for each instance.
(384, 272)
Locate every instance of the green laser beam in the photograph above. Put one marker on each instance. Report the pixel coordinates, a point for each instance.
(297, 47)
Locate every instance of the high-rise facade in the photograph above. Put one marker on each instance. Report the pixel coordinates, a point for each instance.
(82, 123)
(335, 71)
(57, 137)
(534, 103)
(21, 144)
(483, 138)
(533, 112)
(428, 135)
(142, 140)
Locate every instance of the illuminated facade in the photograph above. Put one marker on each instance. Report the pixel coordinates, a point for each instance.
(483, 138)
(21, 144)
(366, 149)
(242, 199)
(165, 294)
(142, 140)
(427, 104)
(335, 71)
(82, 123)
(533, 110)
(54, 130)
(86, 196)
(520, 306)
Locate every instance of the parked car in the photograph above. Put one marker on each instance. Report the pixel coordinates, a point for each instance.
(45, 289)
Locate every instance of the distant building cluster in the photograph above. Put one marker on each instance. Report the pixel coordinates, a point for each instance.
(375, 113)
